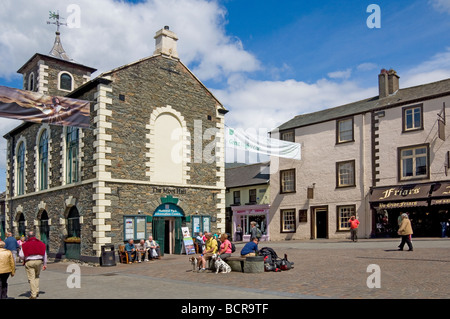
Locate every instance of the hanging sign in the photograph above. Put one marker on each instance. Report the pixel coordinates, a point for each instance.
(240, 140)
(39, 108)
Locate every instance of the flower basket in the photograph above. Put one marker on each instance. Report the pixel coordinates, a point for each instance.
(73, 240)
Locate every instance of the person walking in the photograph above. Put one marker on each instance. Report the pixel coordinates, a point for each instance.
(34, 255)
(405, 231)
(11, 244)
(7, 268)
(354, 224)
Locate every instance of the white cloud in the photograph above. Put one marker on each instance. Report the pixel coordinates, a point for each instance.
(114, 33)
(441, 5)
(340, 74)
(368, 66)
(435, 69)
(267, 104)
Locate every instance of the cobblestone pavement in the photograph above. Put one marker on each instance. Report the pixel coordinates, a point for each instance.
(335, 269)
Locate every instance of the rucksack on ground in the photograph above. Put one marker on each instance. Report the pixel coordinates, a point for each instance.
(274, 263)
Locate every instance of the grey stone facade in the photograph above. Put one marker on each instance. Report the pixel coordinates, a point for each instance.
(116, 156)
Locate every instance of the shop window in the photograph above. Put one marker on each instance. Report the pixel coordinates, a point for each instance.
(344, 130)
(288, 224)
(414, 162)
(135, 227)
(344, 214)
(412, 118)
(43, 160)
(345, 174)
(287, 181)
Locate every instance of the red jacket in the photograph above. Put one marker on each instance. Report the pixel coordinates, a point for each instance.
(33, 246)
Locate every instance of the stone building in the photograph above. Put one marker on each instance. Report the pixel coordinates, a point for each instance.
(375, 158)
(247, 199)
(152, 159)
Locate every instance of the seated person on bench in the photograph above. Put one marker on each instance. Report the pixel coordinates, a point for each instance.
(250, 249)
(225, 247)
(210, 249)
(141, 249)
(131, 251)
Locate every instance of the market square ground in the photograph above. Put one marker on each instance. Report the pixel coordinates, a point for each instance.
(336, 269)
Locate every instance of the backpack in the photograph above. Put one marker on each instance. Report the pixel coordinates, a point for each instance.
(270, 258)
(258, 233)
(274, 263)
(233, 247)
(285, 264)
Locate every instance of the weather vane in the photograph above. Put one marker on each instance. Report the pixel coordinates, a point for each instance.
(55, 16)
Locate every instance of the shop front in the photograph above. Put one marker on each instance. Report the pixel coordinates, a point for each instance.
(244, 215)
(427, 204)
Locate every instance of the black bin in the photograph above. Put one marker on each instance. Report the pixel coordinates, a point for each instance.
(108, 258)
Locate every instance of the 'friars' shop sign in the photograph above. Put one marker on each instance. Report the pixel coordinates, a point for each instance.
(401, 196)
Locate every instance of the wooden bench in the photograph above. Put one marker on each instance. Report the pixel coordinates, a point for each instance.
(246, 264)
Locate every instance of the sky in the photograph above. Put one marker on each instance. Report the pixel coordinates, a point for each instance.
(266, 61)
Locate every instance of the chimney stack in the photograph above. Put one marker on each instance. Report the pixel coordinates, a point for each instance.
(388, 82)
(166, 43)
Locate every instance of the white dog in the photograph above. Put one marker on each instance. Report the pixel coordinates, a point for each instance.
(220, 265)
(194, 263)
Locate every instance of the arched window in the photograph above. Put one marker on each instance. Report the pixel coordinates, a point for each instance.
(21, 225)
(65, 82)
(21, 169)
(43, 160)
(72, 154)
(73, 223)
(31, 82)
(44, 229)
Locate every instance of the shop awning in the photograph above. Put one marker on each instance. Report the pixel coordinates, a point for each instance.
(400, 196)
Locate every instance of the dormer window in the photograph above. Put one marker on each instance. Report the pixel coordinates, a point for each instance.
(65, 81)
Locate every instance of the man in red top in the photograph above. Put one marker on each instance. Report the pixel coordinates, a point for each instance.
(34, 254)
(354, 223)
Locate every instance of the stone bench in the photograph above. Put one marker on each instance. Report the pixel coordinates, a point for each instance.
(246, 264)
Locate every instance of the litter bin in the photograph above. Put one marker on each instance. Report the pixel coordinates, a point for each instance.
(108, 258)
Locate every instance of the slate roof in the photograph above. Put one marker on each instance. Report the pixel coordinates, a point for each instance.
(404, 96)
(247, 175)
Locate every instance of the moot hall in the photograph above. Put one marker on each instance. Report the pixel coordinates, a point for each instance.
(134, 172)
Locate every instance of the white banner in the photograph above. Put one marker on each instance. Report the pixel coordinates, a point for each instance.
(240, 140)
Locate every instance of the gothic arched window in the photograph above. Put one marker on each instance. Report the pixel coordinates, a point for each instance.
(43, 160)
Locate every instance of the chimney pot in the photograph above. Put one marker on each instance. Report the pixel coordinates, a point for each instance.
(388, 82)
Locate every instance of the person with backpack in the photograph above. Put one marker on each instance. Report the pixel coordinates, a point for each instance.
(255, 232)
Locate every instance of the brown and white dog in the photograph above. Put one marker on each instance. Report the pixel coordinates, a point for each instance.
(194, 262)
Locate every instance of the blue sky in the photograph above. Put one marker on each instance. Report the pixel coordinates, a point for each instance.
(266, 61)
